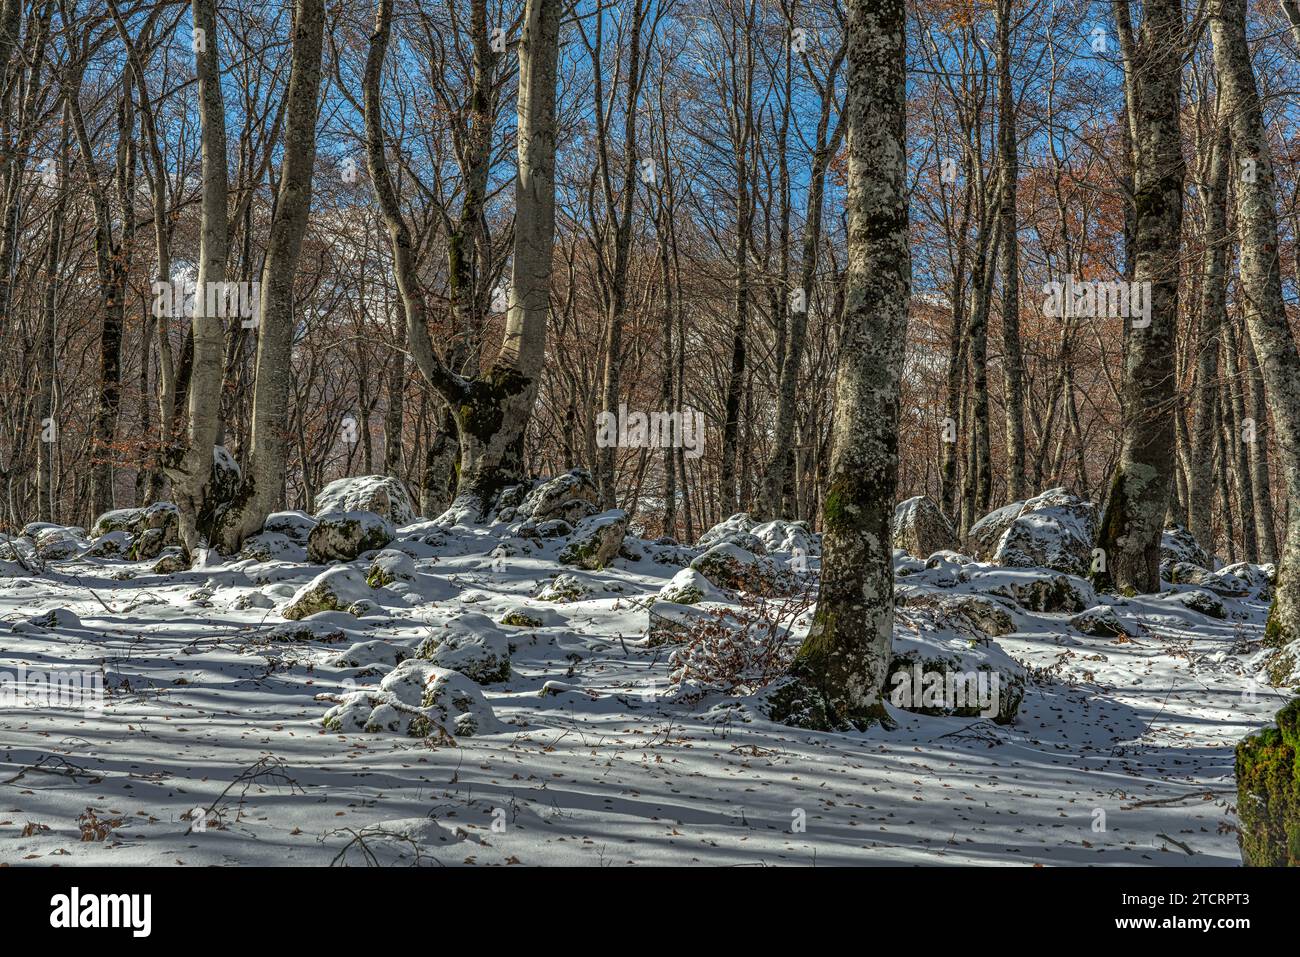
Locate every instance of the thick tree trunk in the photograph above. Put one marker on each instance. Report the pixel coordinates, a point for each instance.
(263, 481)
(1265, 533)
(1261, 287)
(840, 669)
(1139, 489)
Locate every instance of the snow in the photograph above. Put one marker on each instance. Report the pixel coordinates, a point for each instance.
(601, 747)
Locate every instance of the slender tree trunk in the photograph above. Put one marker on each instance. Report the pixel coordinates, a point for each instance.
(1261, 287)
(1012, 358)
(263, 482)
(1139, 490)
(1213, 310)
(191, 479)
(841, 667)
(1266, 534)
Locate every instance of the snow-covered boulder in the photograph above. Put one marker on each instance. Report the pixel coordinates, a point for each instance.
(985, 615)
(53, 620)
(921, 528)
(737, 530)
(381, 494)
(272, 546)
(162, 517)
(936, 670)
(1102, 621)
(389, 566)
(564, 588)
(1206, 603)
(114, 544)
(781, 536)
(596, 540)
(472, 644)
(690, 587)
(1038, 591)
(1240, 580)
(342, 536)
(729, 566)
(368, 654)
(293, 525)
(55, 542)
(419, 699)
(1053, 530)
(334, 589)
(1178, 545)
(570, 497)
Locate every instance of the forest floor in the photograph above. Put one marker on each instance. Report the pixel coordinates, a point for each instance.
(1121, 752)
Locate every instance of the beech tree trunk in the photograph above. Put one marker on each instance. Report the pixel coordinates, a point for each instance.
(262, 487)
(1139, 488)
(1261, 287)
(840, 669)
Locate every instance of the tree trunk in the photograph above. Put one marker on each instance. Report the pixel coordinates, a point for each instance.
(1261, 287)
(841, 667)
(263, 481)
(190, 480)
(1139, 490)
(1012, 358)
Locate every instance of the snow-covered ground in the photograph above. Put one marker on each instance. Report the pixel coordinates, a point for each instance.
(1121, 752)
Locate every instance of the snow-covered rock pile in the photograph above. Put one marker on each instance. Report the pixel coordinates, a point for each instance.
(343, 536)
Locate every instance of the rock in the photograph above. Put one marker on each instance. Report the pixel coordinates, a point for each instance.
(1053, 530)
(389, 566)
(1268, 793)
(921, 528)
(114, 544)
(332, 590)
(1241, 580)
(670, 623)
(1178, 545)
(295, 526)
(564, 588)
(1204, 602)
(271, 546)
(147, 545)
(56, 543)
(937, 671)
(570, 497)
(54, 619)
(1183, 573)
(382, 495)
(1035, 591)
(322, 626)
(366, 654)
(596, 540)
(986, 615)
(736, 530)
(419, 699)
(794, 538)
(552, 528)
(343, 536)
(170, 562)
(518, 618)
(472, 645)
(689, 587)
(729, 566)
(1102, 621)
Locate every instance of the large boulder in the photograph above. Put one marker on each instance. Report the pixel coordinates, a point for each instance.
(1268, 793)
(570, 497)
(596, 540)
(381, 494)
(921, 528)
(419, 699)
(1178, 545)
(334, 589)
(342, 536)
(729, 566)
(1035, 591)
(1053, 530)
(472, 645)
(737, 530)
